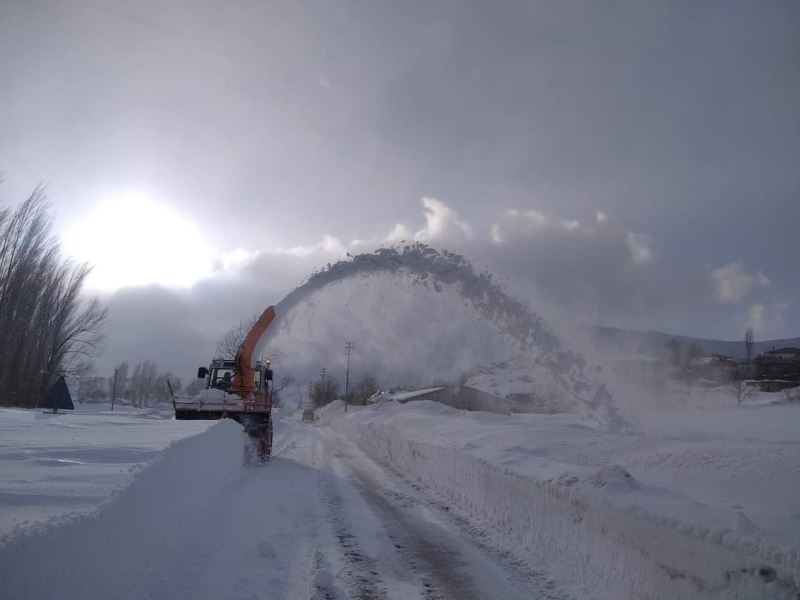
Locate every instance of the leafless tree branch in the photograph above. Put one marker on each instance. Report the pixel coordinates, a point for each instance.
(46, 327)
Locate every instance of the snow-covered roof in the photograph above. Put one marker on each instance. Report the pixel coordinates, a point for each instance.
(401, 396)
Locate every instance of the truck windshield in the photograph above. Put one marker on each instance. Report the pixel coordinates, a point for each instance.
(221, 378)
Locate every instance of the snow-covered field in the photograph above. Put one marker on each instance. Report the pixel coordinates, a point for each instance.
(52, 465)
(697, 504)
(402, 501)
(321, 521)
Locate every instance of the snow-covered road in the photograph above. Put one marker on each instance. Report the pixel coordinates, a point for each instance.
(321, 521)
(397, 543)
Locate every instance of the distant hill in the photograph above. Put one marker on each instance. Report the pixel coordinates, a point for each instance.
(626, 342)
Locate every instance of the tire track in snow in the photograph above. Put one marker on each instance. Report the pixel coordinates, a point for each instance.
(448, 561)
(361, 571)
(319, 522)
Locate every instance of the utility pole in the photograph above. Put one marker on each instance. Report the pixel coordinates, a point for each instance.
(349, 348)
(323, 390)
(114, 389)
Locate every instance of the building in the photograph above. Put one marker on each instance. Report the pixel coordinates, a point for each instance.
(782, 354)
(778, 368)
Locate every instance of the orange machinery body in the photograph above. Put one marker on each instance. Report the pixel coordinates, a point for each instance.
(237, 389)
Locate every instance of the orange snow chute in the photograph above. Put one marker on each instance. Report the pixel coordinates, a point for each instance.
(245, 374)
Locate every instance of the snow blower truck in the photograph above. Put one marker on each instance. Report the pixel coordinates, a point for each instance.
(239, 390)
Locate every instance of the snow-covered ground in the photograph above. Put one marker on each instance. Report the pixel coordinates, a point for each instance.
(321, 521)
(696, 504)
(402, 501)
(56, 464)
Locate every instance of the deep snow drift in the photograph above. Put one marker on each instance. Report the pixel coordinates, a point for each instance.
(698, 505)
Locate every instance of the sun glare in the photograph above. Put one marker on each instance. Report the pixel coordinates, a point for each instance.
(130, 239)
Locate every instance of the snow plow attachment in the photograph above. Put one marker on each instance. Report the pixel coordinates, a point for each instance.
(255, 417)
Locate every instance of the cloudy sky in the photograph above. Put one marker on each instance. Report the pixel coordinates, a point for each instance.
(629, 163)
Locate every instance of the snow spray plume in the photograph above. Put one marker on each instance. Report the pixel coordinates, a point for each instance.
(428, 268)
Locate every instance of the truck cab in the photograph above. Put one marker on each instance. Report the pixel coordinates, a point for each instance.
(219, 374)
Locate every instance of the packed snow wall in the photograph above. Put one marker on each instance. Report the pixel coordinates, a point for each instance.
(608, 550)
(419, 316)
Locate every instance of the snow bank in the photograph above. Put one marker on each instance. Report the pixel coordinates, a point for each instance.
(324, 414)
(138, 522)
(597, 524)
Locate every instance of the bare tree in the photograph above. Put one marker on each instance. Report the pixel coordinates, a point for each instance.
(284, 382)
(366, 387)
(740, 390)
(749, 340)
(228, 344)
(118, 388)
(324, 391)
(144, 383)
(46, 328)
(683, 356)
(78, 336)
(161, 389)
(739, 386)
(92, 389)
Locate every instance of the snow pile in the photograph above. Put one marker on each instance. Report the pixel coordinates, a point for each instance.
(141, 521)
(326, 413)
(614, 478)
(582, 502)
(211, 395)
(550, 364)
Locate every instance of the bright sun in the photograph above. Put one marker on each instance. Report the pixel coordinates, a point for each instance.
(130, 239)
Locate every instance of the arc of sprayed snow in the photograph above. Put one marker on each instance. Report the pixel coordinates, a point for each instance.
(428, 266)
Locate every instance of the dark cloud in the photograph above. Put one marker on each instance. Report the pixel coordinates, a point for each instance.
(157, 324)
(574, 273)
(272, 125)
(326, 117)
(602, 273)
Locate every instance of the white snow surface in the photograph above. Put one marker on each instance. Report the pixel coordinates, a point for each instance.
(697, 504)
(321, 521)
(53, 465)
